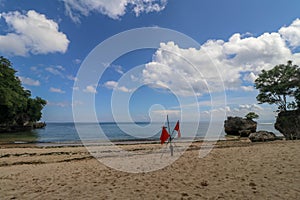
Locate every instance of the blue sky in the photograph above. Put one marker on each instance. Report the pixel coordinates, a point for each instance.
(47, 42)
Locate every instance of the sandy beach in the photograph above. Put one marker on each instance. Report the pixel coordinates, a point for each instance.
(232, 170)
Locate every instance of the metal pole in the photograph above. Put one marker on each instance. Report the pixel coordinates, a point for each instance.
(170, 138)
(168, 124)
(171, 148)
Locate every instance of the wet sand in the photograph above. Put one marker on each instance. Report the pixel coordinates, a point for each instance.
(232, 170)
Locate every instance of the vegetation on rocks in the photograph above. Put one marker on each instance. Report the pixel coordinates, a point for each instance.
(17, 108)
(281, 86)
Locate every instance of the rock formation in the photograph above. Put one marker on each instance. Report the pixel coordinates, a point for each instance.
(288, 123)
(262, 136)
(239, 126)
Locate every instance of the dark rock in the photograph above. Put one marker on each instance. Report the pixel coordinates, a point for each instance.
(39, 125)
(245, 133)
(16, 128)
(262, 136)
(24, 128)
(239, 126)
(288, 123)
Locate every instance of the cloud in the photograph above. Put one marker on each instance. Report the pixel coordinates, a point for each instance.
(237, 110)
(72, 78)
(189, 71)
(147, 6)
(29, 81)
(111, 84)
(77, 61)
(64, 104)
(247, 88)
(57, 90)
(256, 53)
(59, 104)
(61, 68)
(112, 8)
(250, 77)
(56, 70)
(115, 86)
(243, 109)
(90, 89)
(250, 107)
(31, 33)
(118, 69)
(292, 33)
(159, 114)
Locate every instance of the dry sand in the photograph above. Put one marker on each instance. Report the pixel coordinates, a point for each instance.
(232, 170)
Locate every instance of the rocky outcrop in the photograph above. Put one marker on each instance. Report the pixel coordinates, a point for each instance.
(24, 128)
(288, 123)
(12, 129)
(262, 136)
(239, 126)
(38, 125)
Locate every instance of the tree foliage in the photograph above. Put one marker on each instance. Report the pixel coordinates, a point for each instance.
(252, 115)
(16, 105)
(280, 86)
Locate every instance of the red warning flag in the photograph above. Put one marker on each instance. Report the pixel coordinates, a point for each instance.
(164, 135)
(177, 129)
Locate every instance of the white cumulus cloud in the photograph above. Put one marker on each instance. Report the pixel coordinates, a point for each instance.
(31, 33)
(190, 71)
(90, 89)
(112, 8)
(29, 81)
(111, 84)
(292, 33)
(115, 86)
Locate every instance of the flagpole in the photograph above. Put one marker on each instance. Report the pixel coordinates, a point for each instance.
(168, 123)
(170, 138)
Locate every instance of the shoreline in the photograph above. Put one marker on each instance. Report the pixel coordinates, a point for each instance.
(227, 138)
(117, 142)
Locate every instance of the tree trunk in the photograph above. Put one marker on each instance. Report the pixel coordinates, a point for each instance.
(284, 99)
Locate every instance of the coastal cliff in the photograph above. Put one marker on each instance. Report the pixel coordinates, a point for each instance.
(288, 123)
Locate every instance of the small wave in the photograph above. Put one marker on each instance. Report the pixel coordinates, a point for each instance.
(20, 142)
(266, 123)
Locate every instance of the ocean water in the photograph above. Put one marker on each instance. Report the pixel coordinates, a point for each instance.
(68, 132)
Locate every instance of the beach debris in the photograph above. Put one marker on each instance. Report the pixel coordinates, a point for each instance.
(239, 126)
(262, 136)
(252, 184)
(204, 183)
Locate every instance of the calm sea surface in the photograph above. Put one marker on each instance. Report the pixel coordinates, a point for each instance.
(68, 132)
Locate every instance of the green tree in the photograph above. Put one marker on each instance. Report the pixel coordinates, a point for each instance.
(16, 106)
(280, 86)
(34, 107)
(252, 115)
